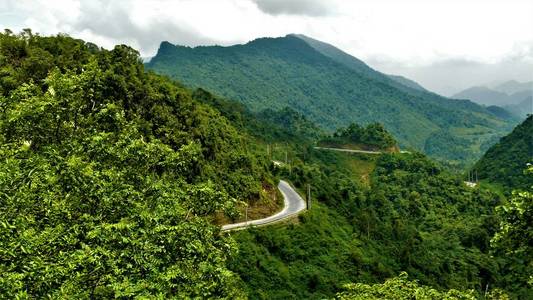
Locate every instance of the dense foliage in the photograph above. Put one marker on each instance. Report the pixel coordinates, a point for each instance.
(108, 176)
(413, 217)
(505, 161)
(372, 137)
(286, 125)
(273, 73)
(514, 240)
(399, 288)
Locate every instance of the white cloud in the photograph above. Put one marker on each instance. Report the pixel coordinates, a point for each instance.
(397, 36)
(296, 7)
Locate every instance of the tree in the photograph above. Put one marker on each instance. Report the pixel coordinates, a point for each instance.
(399, 288)
(515, 239)
(109, 176)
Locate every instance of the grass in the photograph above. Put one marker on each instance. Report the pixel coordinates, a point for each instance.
(358, 166)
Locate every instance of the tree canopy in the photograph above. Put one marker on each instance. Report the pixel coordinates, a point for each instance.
(108, 176)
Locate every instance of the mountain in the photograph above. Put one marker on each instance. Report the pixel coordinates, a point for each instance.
(512, 86)
(358, 65)
(503, 113)
(332, 89)
(513, 96)
(505, 162)
(483, 95)
(111, 179)
(407, 82)
(521, 109)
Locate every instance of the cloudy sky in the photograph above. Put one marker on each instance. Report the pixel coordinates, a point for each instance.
(446, 45)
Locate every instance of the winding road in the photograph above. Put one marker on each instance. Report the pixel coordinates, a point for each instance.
(293, 204)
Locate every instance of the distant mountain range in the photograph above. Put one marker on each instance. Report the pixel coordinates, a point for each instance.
(516, 97)
(333, 89)
(512, 86)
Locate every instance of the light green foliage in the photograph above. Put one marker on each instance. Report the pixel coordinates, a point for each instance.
(400, 288)
(108, 176)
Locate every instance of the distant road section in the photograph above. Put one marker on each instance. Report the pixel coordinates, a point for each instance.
(348, 150)
(293, 204)
(355, 151)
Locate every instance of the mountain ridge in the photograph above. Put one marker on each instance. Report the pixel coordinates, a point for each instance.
(287, 71)
(513, 96)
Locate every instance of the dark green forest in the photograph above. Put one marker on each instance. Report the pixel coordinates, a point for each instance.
(372, 137)
(334, 89)
(504, 163)
(111, 175)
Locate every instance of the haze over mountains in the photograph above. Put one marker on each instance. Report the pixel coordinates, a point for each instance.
(332, 89)
(516, 97)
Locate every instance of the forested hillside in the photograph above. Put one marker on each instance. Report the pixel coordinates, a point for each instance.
(505, 162)
(333, 90)
(109, 175)
(412, 217)
(111, 178)
(371, 137)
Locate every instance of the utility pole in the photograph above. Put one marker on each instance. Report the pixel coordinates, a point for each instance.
(290, 169)
(308, 196)
(246, 213)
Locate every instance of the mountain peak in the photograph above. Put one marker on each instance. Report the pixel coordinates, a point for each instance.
(165, 48)
(513, 86)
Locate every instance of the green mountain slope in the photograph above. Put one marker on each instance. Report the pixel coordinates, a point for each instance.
(407, 82)
(359, 66)
(521, 109)
(273, 73)
(506, 161)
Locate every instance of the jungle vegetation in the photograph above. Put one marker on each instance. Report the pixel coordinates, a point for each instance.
(110, 177)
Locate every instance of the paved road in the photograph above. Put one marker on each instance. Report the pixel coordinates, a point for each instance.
(355, 151)
(293, 204)
(348, 150)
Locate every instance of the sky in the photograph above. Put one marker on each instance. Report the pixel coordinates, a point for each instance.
(446, 45)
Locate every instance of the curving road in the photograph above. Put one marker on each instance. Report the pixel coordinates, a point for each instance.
(293, 204)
